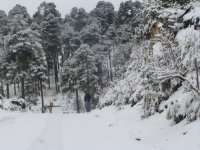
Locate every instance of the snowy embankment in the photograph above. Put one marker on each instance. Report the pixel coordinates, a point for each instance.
(106, 129)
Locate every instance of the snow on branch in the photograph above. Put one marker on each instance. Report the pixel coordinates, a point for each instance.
(181, 78)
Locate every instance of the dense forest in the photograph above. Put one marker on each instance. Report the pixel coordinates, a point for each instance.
(143, 52)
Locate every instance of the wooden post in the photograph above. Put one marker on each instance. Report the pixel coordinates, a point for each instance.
(197, 73)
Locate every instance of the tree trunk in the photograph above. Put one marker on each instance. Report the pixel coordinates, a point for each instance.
(8, 91)
(36, 89)
(15, 92)
(2, 91)
(22, 88)
(110, 66)
(38, 86)
(56, 74)
(101, 77)
(100, 82)
(62, 60)
(77, 102)
(197, 73)
(42, 97)
(88, 82)
(18, 87)
(49, 81)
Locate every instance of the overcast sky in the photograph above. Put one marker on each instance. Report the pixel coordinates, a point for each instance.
(64, 6)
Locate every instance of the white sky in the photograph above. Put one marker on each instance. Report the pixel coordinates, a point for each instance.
(64, 6)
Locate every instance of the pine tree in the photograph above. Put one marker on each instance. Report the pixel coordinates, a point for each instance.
(79, 18)
(81, 73)
(70, 41)
(4, 31)
(50, 22)
(105, 14)
(91, 34)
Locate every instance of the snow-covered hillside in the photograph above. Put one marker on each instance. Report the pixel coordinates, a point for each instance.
(162, 72)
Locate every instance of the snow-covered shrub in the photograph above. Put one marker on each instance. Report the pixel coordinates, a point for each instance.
(175, 112)
(158, 91)
(184, 104)
(14, 104)
(151, 101)
(193, 110)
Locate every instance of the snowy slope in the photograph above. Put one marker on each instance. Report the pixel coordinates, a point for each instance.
(107, 129)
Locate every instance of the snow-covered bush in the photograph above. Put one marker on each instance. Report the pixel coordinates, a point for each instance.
(14, 104)
(185, 104)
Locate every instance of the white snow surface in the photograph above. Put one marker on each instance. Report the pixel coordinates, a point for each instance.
(106, 129)
(193, 14)
(157, 49)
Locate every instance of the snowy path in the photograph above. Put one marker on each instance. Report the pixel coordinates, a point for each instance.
(107, 129)
(51, 136)
(50, 132)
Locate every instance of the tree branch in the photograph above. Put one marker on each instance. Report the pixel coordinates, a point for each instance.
(181, 78)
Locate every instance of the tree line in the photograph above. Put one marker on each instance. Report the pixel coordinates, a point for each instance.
(82, 51)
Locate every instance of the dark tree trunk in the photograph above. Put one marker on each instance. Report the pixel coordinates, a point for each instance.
(77, 101)
(197, 73)
(18, 87)
(36, 89)
(49, 81)
(88, 82)
(62, 60)
(22, 87)
(15, 92)
(110, 65)
(8, 91)
(56, 74)
(42, 97)
(100, 75)
(2, 91)
(38, 86)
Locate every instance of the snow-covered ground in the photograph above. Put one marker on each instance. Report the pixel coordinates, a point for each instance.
(106, 129)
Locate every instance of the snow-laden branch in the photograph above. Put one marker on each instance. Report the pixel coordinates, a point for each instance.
(181, 78)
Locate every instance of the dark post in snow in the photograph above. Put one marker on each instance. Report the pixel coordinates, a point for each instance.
(41, 90)
(197, 73)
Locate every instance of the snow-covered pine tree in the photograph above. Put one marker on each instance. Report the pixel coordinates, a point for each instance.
(4, 31)
(105, 14)
(49, 20)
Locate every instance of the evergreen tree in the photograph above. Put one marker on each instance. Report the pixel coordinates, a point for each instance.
(129, 13)
(50, 22)
(79, 18)
(105, 14)
(81, 73)
(91, 34)
(70, 41)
